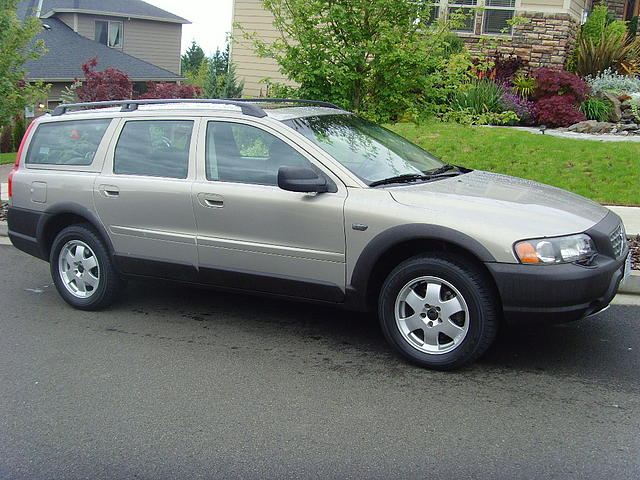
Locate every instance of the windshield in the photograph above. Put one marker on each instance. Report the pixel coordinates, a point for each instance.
(370, 151)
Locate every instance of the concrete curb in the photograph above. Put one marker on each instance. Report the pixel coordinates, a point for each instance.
(632, 284)
(3, 228)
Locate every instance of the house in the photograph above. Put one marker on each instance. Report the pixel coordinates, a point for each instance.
(133, 36)
(544, 39)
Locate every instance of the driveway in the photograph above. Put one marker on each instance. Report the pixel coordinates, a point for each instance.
(178, 382)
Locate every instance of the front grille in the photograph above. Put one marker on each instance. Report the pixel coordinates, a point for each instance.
(618, 240)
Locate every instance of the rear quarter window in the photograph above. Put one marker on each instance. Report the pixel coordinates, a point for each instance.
(66, 143)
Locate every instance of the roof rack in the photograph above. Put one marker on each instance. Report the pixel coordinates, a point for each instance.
(132, 105)
(316, 103)
(247, 105)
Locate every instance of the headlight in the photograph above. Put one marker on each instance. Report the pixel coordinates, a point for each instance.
(546, 251)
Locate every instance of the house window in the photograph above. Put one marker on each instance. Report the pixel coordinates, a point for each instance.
(497, 16)
(109, 33)
(433, 10)
(466, 15)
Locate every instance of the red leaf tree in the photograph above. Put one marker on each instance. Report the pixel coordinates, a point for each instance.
(171, 90)
(108, 84)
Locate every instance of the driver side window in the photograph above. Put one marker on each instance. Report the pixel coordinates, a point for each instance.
(245, 154)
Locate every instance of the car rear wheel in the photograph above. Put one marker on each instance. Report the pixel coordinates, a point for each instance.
(439, 311)
(82, 269)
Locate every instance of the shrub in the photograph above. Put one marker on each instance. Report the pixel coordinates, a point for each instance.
(621, 53)
(171, 90)
(599, 22)
(505, 67)
(6, 139)
(18, 130)
(596, 109)
(611, 81)
(499, 68)
(523, 85)
(109, 84)
(550, 83)
(558, 111)
(482, 96)
(468, 118)
(522, 107)
(452, 44)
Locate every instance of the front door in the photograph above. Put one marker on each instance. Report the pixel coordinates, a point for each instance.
(254, 235)
(143, 197)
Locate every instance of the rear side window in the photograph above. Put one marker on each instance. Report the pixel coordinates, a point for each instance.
(154, 148)
(66, 143)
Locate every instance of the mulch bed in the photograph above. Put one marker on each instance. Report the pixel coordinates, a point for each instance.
(634, 243)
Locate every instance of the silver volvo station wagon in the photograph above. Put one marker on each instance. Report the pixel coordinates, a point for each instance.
(303, 200)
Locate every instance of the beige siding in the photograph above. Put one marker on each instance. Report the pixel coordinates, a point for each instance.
(56, 89)
(249, 68)
(155, 42)
(535, 5)
(571, 7)
(576, 7)
(67, 18)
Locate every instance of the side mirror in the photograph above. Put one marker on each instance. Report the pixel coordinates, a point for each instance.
(301, 179)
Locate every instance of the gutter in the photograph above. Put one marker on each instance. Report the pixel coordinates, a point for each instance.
(52, 12)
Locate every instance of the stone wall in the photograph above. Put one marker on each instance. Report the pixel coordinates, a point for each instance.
(616, 7)
(545, 40)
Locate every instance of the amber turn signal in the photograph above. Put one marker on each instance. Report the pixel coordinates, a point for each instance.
(527, 253)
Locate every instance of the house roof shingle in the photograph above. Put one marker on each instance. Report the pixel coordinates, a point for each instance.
(67, 51)
(122, 8)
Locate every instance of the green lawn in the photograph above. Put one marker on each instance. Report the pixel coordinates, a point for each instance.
(605, 172)
(7, 158)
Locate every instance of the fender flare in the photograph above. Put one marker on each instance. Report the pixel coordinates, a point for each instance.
(74, 208)
(357, 289)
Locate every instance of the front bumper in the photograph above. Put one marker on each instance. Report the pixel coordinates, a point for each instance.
(565, 292)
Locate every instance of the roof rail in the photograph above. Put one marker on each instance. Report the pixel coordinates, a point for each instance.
(285, 100)
(132, 105)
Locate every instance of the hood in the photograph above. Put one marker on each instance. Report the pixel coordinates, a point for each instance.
(501, 204)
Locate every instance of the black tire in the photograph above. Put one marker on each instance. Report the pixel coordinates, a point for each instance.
(480, 319)
(109, 285)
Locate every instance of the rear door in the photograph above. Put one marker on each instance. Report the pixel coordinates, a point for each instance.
(254, 235)
(143, 197)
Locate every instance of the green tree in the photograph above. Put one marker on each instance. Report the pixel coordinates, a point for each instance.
(220, 61)
(17, 45)
(222, 85)
(372, 56)
(216, 76)
(192, 58)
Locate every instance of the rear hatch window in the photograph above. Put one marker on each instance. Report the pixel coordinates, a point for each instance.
(66, 143)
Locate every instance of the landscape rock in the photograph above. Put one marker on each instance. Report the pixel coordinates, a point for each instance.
(595, 127)
(629, 127)
(587, 126)
(616, 111)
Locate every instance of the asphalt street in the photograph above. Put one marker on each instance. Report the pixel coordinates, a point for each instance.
(177, 382)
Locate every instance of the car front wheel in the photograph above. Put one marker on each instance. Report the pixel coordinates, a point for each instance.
(439, 311)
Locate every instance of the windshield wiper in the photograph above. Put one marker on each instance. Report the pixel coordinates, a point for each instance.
(406, 178)
(443, 169)
(440, 172)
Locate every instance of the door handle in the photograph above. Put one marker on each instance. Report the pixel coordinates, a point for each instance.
(109, 191)
(211, 200)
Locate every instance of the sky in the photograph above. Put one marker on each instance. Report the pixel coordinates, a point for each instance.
(210, 21)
